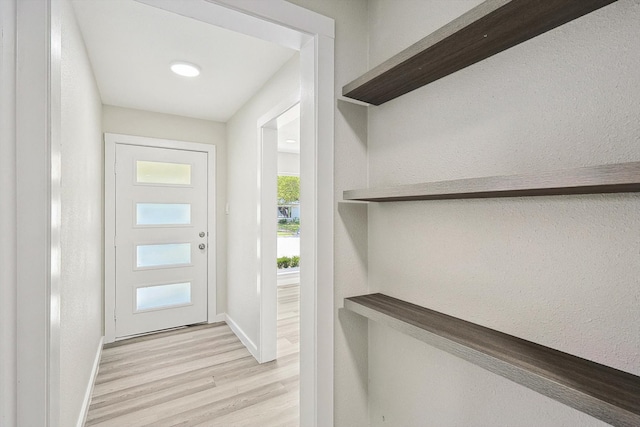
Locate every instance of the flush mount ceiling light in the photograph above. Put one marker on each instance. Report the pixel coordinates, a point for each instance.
(290, 141)
(185, 69)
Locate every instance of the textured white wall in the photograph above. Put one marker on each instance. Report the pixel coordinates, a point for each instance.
(167, 126)
(560, 271)
(242, 140)
(81, 232)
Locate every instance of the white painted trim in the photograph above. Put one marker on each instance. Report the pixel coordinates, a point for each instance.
(109, 298)
(84, 410)
(266, 226)
(38, 109)
(285, 104)
(266, 231)
(146, 141)
(111, 139)
(322, 321)
(212, 236)
(8, 220)
(243, 337)
(309, 378)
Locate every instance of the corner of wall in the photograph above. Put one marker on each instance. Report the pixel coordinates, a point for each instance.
(243, 337)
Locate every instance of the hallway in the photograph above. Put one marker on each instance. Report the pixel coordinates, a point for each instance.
(200, 375)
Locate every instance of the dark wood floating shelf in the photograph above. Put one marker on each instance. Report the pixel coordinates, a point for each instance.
(485, 30)
(603, 392)
(614, 178)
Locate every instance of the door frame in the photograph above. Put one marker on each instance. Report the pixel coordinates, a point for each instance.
(267, 229)
(289, 25)
(32, 185)
(111, 140)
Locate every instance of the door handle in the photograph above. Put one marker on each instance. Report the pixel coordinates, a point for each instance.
(201, 246)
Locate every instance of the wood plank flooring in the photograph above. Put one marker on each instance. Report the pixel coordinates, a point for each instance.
(200, 376)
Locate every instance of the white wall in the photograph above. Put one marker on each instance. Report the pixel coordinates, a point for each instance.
(81, 232)
(242, 133)
(8, 362)
(166, 126)
(560, 271)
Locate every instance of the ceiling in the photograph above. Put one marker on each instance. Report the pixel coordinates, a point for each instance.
(131, 46)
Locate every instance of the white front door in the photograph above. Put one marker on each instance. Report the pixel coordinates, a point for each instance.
(161, 238)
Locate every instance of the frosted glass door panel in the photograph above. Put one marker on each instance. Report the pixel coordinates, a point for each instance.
(162, 173)
(163, 296)
(163, 213)
(163, 255)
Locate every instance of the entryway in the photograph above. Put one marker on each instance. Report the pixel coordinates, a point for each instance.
(158, 197)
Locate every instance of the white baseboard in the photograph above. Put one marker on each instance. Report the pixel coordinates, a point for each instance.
(253, 349)
(82, 418)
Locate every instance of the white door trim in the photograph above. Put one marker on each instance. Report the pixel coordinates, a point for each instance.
(110, 140)
(8, 218)
(292, 26)
(267, 230)
(37, 220)
(317, 310)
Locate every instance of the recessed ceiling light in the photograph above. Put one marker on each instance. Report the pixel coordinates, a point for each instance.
(185, 69)
(290, 141)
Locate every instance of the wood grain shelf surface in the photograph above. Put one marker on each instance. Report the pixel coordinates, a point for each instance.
(603, 392)
(489, 28)
(613, 178)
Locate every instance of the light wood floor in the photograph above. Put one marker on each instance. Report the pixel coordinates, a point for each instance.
(200, 376)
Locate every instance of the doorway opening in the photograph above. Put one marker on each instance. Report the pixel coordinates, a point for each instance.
(39, 126)
(288, 234)
(279, 213)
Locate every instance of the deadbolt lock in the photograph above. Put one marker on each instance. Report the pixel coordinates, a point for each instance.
(202, 234)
